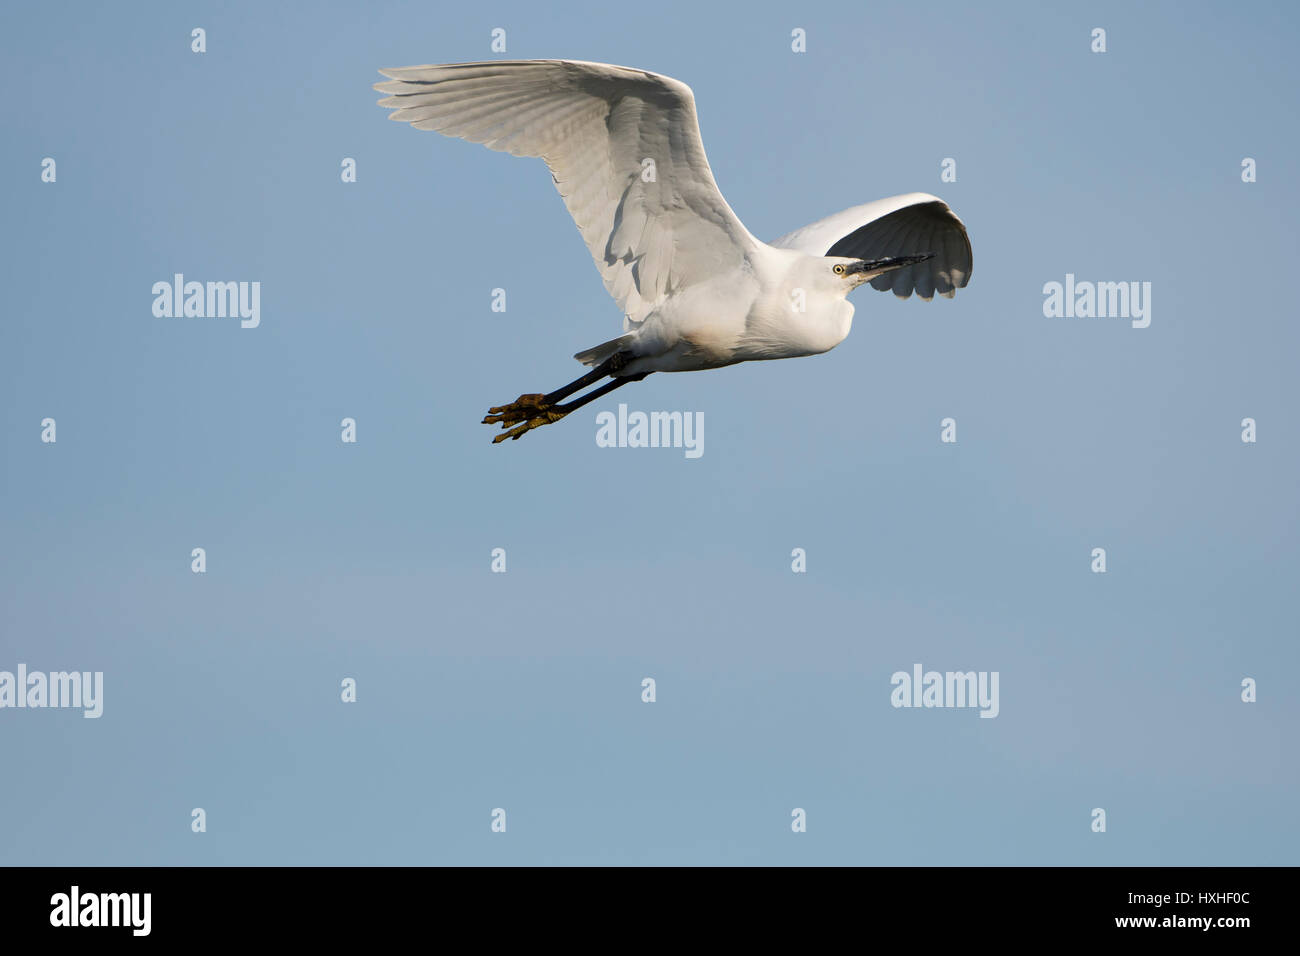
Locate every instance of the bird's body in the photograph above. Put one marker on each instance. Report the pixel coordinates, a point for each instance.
(697, 290)
(739, 317)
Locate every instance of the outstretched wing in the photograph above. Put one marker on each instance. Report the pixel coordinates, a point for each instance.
(897, 226)
(623, 147)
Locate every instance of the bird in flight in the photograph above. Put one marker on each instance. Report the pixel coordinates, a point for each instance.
(696, 289)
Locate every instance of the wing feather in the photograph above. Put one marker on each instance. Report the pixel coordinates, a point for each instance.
(595, 124)
(900, 225)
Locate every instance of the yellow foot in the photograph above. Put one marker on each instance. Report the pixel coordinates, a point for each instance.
(521, 409)
(539, 416)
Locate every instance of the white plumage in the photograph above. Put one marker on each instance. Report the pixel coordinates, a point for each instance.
(593, 124)
(696, 288)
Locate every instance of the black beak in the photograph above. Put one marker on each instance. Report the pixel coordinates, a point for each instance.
(877, 267)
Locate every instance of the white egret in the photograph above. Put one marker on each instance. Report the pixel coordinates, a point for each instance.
(696, 289)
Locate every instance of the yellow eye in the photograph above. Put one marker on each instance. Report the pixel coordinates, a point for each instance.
(839, 270)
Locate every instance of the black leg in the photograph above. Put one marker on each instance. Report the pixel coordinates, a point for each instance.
(607, 367)
(596, 393)
(524, 406)
(540, 415)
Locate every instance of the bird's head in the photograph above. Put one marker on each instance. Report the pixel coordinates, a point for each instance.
(851, 273)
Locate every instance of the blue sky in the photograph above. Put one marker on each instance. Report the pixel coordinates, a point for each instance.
(522, 690)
